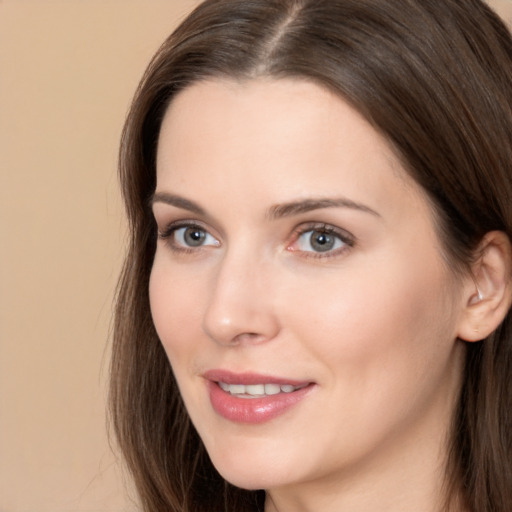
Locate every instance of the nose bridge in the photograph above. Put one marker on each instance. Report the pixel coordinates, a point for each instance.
(240, 302)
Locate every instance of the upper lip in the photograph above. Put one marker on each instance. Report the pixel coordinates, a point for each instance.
(248, 378)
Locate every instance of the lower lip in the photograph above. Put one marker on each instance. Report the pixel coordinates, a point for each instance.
(253, 410)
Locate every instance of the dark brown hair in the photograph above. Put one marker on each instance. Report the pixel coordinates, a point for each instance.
(433, 76)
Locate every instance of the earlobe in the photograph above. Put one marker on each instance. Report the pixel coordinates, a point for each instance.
(489, 293)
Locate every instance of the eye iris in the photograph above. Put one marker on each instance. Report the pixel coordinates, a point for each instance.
(194, 236)
(321, 241)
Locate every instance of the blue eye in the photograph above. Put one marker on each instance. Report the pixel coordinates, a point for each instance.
(318, 241)
(193, 236)
(187, 237)
(322, 240)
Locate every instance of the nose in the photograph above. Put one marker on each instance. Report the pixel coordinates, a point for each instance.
(241, 303)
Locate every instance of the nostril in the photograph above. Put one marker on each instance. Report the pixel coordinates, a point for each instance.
(247, 336)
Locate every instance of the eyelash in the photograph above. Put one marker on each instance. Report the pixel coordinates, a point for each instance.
(168, 236)
(341, 235)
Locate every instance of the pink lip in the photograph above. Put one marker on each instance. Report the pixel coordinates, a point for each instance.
(252, 410)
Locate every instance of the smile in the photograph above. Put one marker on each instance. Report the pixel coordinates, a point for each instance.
(258, 390)
(253, 398)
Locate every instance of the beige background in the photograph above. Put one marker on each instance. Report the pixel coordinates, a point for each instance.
(68, 69)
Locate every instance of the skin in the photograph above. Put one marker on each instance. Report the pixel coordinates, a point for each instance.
(372, 323)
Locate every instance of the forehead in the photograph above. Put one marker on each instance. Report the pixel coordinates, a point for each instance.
(288, 138)
(266, 116)
(280, 106)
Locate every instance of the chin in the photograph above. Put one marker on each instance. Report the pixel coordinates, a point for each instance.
(249, 480)
(250, 470)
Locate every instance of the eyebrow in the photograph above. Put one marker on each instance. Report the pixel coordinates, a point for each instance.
(306, 205)
(178, 201)
(275, 212)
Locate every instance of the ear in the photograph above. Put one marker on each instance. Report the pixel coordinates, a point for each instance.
(488, 295)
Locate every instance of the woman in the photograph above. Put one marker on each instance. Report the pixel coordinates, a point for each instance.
(315, 308)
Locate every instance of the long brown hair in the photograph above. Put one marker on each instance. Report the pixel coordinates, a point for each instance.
(433, 76)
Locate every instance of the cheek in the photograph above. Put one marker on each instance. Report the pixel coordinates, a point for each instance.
(366, 324)
(385, 348)
(174, 308)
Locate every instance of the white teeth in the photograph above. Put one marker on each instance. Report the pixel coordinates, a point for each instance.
(237, 389)
(272, 389)
(257, 390)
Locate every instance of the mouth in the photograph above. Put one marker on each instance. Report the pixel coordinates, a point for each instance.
(258, 390)
(253, 398)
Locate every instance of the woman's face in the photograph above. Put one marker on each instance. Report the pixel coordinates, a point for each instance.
(299, 288)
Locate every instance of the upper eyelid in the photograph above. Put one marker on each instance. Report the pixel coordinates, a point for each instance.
(347, 238)
(180, 222)
(165, 221)
(323, 226)
(172, 226)
(303, 227)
